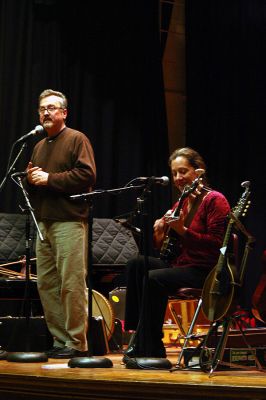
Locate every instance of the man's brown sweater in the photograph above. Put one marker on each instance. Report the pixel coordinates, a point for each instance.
(69, 160)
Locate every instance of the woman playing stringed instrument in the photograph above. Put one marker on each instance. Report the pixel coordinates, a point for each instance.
(188, 238)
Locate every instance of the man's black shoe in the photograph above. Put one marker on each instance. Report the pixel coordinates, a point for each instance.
(68, 352)
(130, 352)
(133, 352)
(53, 350)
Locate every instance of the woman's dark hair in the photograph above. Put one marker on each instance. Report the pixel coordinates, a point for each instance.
(193, 157)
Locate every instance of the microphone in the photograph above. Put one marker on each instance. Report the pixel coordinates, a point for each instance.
(19, 174)
(127, 225)
(162, 180)
(37, 129)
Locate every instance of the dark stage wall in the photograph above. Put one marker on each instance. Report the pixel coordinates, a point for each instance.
(106, 57)
(226, 102)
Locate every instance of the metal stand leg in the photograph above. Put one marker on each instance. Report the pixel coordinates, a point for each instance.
(188, 335)
(219, 352)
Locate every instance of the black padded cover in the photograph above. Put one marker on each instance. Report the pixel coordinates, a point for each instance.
(12, 237)
(112, 243)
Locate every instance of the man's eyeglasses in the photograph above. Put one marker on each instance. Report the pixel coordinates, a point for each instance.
(49, 109)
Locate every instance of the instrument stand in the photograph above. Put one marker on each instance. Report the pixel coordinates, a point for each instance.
(27, 356)
(217, 359)
(227, 323)
(210, 359)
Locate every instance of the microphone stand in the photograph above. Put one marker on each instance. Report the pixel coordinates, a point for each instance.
(145, 362)
(27, 356)
(90, 361)
(13, 164)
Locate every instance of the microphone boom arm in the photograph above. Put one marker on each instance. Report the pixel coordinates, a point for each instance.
(102, 192)
(37, 129)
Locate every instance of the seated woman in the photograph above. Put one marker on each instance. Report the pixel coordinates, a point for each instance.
(197, 235)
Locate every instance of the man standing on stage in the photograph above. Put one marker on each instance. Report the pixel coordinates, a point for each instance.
(62, 164)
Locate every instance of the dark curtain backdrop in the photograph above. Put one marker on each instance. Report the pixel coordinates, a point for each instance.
(106, 57)
(226, 104)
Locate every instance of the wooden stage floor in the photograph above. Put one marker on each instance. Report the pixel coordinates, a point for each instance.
(55, 380)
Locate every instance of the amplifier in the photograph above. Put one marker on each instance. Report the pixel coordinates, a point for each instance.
(117, 298)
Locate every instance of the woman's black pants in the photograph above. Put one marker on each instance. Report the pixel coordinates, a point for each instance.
(146, 299)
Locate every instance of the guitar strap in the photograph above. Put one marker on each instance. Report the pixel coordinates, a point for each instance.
(189, 217)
